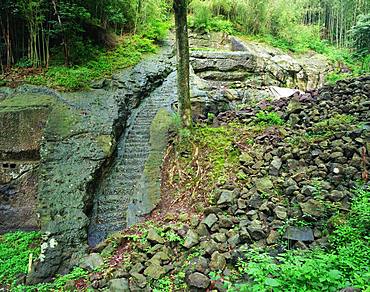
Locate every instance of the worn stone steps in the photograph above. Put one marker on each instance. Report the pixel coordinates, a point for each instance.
(110, 213)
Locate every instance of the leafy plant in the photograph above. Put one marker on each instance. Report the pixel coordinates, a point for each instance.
(15, 249)
(346, 264)
(269, 118)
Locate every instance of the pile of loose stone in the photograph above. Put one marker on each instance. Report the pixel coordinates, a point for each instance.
(297, 175)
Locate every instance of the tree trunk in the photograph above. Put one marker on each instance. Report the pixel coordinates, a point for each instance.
(182, 45)
(64, 39)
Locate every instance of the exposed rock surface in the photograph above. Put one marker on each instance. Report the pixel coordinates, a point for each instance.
(315, 176)
(78, 159)
(22, 128)
(237, 70)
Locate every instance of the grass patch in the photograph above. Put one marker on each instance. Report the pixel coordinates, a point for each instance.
(269, 118)
(15, 249)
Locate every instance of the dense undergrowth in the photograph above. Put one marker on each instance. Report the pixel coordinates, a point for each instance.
(128, 53)
(344, 264)
(15, 250)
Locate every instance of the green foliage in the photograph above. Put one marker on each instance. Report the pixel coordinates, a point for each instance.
(56, 285)
(222, 153)
(360, 34)
(75, 274)
(345, 265)
(269, 118)
(126, 54)
(15, 249)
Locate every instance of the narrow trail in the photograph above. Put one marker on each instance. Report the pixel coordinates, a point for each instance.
(119, 187)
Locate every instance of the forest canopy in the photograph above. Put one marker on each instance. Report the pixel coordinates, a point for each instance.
(34, 30)
(47, 33)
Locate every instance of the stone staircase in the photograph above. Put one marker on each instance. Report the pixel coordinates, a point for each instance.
(120, 185)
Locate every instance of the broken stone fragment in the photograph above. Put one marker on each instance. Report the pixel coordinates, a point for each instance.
(281, 212)
(139, 279)
(312, 207)
(210, 220)
(264, 184)
(198, 280)
(299, 234)
(308, 190)
(273, 237)
(154, 237)
(226, 197)
(256, 231)
(92, 261)
(275, 166)
(154, 271)
(191, 239)
(119, 285)
(218, 262)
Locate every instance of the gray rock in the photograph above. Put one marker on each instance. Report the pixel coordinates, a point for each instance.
(154, 271)
(256, 231)
(202, 230)
(218, 262)
(308, 190)
(92, 261)
(226, 197)
(273, 237)
(153, 236)
(191, 239)
(264, 184)
(299, 233)
(137, 268)
(225, 222)
(275, 166)
(140, 279)
(198, 280)
(255, 201)
(199, 264)
(312, 207)
(209, 246)
(219, 237)
(242, 204)
(336, 195)
(119, 285)
(210, 220)
(281, 212)
(234, 240)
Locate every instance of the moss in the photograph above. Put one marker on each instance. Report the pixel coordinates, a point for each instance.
(22, 101)
(158, 142)
(106, 144)
(63, 121)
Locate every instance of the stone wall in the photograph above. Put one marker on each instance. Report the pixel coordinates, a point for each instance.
(20, 138)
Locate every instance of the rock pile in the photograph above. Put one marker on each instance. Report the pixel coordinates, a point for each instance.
(298, 176)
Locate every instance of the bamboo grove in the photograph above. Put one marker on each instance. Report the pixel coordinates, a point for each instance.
(333, 20)
(37, 33)
(32, 32)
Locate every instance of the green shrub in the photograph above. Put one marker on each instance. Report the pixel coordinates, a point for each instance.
(269, 118)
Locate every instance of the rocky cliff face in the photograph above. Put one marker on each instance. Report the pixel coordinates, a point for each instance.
(20, 139)
(231, 70)
(297, 177)
(95, 156)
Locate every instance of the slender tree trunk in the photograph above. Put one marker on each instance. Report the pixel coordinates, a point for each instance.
(64, 39)
(182, 45)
